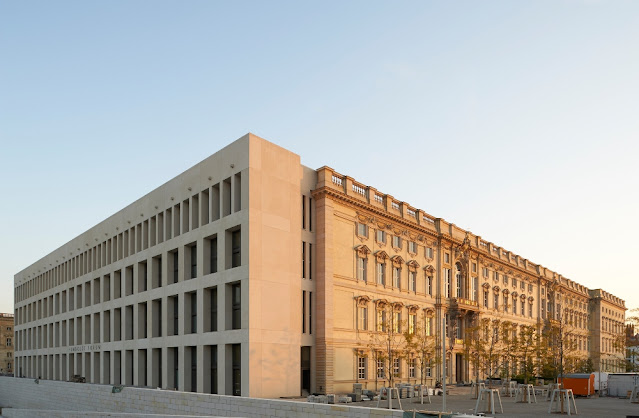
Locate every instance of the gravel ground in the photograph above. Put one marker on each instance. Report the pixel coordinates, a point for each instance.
(459, 400)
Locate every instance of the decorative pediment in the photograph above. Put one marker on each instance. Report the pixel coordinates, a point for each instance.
(505, 291)
(381, 256)
(381, 303)
(397, 260)
(522, 297)
(486, 286)
(397, 305)
(429, 312)
(496, 289)
(412, 308)
(412, 265)
(365, 218)
(515, 294)
(429, 269)
(362, 251)
(530, 299)
(362, 300)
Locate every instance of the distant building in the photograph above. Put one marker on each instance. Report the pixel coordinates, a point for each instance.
(6, 343)
(250, 274)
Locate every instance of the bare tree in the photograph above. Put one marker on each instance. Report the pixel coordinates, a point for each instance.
(387, 342)
(421, 340)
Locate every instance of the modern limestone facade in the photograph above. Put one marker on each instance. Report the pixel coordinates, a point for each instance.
(250, 274)
(192, 287)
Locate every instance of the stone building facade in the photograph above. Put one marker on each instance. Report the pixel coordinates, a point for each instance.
(6, 343)
(250, 274)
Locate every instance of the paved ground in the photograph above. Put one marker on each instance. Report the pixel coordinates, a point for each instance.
(459, 400)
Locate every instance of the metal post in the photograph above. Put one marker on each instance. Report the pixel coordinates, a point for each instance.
(444, 362)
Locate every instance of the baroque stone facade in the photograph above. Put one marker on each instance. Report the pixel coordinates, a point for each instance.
(6, 343)
(250, 274)
(380, 251)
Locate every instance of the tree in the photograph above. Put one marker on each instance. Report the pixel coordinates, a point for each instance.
(528, 350)
(561, 341)
(484, 347)
(632, 341)
(421, 340)
(387, 342)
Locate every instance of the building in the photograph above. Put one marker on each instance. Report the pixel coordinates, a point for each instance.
(6, 343)
(250, 274)
(608, 331)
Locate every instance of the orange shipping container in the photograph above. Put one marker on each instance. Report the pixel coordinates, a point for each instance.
(581, 383)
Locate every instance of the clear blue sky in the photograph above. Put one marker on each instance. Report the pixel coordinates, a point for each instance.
(516, 120)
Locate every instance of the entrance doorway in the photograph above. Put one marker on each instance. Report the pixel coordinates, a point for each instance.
(305, 364)
(459, 368)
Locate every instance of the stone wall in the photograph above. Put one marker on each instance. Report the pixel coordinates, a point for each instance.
(21, 394)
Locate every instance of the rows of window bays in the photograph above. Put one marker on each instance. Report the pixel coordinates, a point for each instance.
(117, 324)
(122, 282)
(214, 202)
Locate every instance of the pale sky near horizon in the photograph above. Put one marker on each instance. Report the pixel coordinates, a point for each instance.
(516, 120)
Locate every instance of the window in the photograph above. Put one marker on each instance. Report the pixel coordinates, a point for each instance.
(396, 367)
(446, 258)
(381, 236)
(397, 322)
(236, 242)
(530, 288)
(523, 307)
(429, 285)
(213, 309)
(428, 326)
(412, 281)
(361, 367)
(362, 230)
(193, 296)
(381, 273)
(495, 276)
(213, 255)
(412, 319)
(412, 247)
(411, 367)
(8, 342)
(303, 260)
(486, 298)
(361, 268)
(505, 303)
(447, 283)
(505, 280)
(397, 242)
(236, 299)
(458, 276)
(381, 320)
(193, 261)
(514, 282)
(530, 309)
(175, 266)
(496, 301)
(485, 272)
(397, 277)
(428, 252)
(303, 212)
(380, 369)
(303, 311)
(363, 318)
